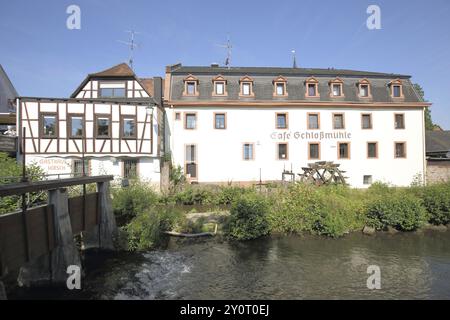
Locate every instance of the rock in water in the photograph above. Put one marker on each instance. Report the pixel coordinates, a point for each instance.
(368, 230)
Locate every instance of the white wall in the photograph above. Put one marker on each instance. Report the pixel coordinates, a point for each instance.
(220, 151)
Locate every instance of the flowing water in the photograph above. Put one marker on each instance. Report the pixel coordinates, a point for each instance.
(413, 266)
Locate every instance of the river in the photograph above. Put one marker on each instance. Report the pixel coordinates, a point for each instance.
(412, 265)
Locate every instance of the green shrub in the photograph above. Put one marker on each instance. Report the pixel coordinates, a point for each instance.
(436, 199)
(130, 201)
(145, 231)
(327, 210)
(248, 219)
(11, 172)
(399, 209)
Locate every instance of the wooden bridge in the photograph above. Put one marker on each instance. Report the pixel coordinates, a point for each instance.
(37, 244)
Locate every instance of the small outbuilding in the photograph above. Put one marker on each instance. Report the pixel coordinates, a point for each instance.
(438, 156)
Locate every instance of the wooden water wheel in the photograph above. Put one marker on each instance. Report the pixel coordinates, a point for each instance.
(322, 173)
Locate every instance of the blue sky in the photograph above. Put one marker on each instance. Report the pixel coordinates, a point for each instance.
(44, 58)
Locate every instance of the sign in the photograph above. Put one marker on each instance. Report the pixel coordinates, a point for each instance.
(310, 135)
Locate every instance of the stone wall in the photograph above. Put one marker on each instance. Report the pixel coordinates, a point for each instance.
(438, 170)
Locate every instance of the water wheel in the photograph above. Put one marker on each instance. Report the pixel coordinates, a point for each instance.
(323, 173)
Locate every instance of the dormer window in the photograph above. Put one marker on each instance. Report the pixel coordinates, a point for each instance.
(112, 89)
(279, 86)
(312, 88)
(396, 88)
(190, 86)
(364, 89)
(219, 84)
(246, 84)
(336, 88)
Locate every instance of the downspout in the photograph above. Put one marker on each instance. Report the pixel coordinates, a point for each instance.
(18, 129)
(424, 150)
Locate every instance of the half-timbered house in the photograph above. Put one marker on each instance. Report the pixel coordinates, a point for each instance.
(111, 121)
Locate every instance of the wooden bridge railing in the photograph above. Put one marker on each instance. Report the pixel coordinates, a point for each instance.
(40, 241)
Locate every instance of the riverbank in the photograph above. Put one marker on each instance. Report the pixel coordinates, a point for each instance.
(331, 211)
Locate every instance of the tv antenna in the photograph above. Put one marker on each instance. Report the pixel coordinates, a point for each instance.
(229, 48)
(132, 45)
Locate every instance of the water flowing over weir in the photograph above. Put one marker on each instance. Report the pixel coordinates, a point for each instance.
(413, 265)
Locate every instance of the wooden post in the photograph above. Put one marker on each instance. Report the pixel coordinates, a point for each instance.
(65, 253)
(2, 292)
(104, 235)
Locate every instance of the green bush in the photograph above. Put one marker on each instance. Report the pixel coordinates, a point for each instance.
(130, 201)
(248, 219)
(399, 209)
(327, 210)
(11, 172)
(436, 199)
(146, 230)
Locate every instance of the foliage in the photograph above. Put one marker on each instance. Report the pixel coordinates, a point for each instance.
(429, 125)
(248, 219)
(436, 199)
(11, 172)
(177, 178)
(399, 209)
(328, 210)
(146, 230)
(130, 201)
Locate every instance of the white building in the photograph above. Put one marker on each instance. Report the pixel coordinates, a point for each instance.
(111, 120)
(231, 125)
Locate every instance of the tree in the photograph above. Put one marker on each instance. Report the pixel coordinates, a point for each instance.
(429, 125)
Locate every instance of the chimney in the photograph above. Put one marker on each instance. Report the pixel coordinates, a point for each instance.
(158, 90)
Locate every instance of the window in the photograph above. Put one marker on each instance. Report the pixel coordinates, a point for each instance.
(400, 150)
(220, 88)
(177, 116)
(219, 84)
(220, 121)
(366, 121)
(314, 150)
(313, 121)
(280, 86)
(337, 91)
(246, 89)
(396, 88)
(399, 121)
(248, 151)
(364, 88)
(76, 126)
(312, 87)
(282, 151)
(190, 86)
(338, 121)
(49, 125)
(282, 121)
(112, 90)
(191, 121)
(311, 90)
(130, 168)
(246, 84)
(77, 167)
(367, 179)
(129, 128)
(336, 88)
(191, 161)
(103, 127)
(372, 150)
(343, 150)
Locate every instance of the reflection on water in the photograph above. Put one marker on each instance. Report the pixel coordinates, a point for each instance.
(413, 266)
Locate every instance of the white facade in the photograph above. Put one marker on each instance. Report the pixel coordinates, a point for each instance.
(220, 151)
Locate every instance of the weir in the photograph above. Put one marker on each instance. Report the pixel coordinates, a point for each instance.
(38, 243)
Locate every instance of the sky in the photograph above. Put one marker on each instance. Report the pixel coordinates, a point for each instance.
(46, 59)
